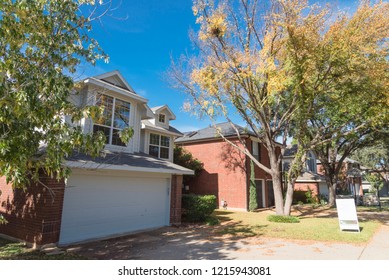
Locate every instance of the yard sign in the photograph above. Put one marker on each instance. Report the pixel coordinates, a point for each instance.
(347, 214)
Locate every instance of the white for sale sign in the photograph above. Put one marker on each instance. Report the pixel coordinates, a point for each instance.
(347, 214)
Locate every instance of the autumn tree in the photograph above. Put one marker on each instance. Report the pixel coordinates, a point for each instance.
(275, 65)
(261, 63)
(41, 44)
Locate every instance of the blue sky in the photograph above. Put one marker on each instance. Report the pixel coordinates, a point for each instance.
(140, 37)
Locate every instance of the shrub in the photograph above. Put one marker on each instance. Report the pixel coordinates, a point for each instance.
(309, 197)
(2, 220)
(282, 219)
(212, 221)
(197, 208)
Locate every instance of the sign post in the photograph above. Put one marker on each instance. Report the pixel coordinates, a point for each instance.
(347, 214)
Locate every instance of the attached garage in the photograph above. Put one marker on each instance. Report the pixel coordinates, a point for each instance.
(103, 197)
(99, 205)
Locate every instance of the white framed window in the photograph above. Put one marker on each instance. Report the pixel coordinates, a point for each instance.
(257, 150)
(116, 116)
(161, 118)
(159, 146)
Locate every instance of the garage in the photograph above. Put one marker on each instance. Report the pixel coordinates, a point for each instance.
(99, 205)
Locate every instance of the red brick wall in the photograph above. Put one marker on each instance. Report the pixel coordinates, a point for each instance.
(259, 173)
(33, 214)
(175, 203)
(304, 187)
(224, 173)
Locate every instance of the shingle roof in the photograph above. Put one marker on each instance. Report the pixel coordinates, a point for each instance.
(210, 132)
(126, 162)
(290, 150)
(161, 129)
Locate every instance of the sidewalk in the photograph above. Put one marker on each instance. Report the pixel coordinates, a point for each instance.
(378, 247)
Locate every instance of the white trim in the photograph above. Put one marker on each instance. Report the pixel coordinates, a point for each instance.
(116, 89)
(96, 166)
(160, 130)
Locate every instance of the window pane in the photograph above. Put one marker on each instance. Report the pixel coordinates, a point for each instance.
(107, 103)
(161, 118)
(255, 149)
(165, 141)
(116, 139)
(154, 139)
(153, 151)
(164, 152)
(105, 130)
(122, 114)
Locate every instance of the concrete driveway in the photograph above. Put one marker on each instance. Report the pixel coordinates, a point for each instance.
(199, 243)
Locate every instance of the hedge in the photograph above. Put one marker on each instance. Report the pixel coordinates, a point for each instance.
(197, 208)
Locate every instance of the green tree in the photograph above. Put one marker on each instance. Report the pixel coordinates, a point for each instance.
(352, 109)
(41, 44)
(376, 156)
(184, 158)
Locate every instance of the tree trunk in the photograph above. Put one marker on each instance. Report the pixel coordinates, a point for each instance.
(289, 198)
(331, 193)
(278, 197)
(281, 209)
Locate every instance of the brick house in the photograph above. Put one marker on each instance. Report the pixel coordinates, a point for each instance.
(313, 176)
(135, 186)
(226, 171)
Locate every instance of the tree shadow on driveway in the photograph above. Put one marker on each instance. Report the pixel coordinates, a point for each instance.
(188, 242)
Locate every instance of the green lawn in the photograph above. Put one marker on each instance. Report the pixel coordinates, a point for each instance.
(10, 250)
(321, 225)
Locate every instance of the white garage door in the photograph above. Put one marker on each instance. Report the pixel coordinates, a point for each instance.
(97, 206)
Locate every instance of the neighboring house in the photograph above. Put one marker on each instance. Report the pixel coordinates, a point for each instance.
(313, 176)
(366, 185)
(310, 178)
(134, 187)
(226, 171)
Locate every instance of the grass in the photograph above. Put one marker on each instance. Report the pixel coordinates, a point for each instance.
(384, 208)
(320, 227)
(10, 250)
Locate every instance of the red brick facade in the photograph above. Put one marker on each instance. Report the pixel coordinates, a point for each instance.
(33, 214)
(175, 203)
(226, 171)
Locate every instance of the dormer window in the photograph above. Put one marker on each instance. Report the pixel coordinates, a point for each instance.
(161, 118)
(116, 116)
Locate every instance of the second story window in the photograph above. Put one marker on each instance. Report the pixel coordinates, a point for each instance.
(159, 146)
(115, 117)
(161, 118)
(311, 163)
(257, 150)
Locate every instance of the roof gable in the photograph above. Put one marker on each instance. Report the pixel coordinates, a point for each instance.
(116, 79)
(160, 109)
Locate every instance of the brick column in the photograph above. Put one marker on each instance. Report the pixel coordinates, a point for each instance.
(175, 203)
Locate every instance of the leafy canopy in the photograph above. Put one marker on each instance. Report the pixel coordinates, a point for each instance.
(41, 44)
